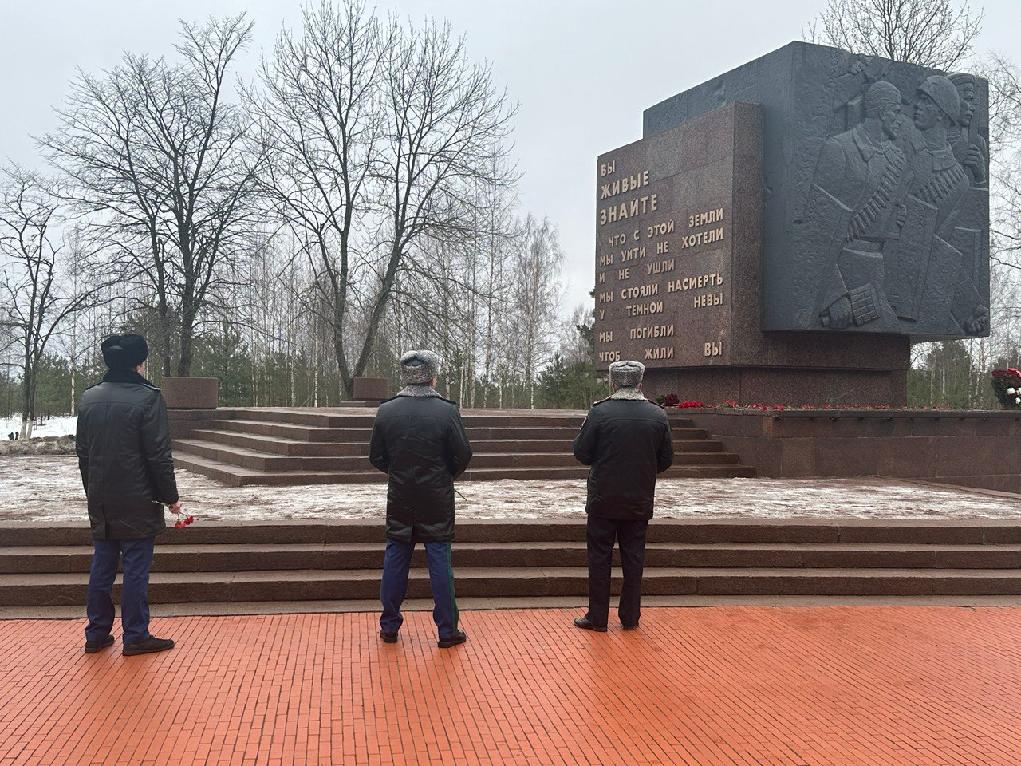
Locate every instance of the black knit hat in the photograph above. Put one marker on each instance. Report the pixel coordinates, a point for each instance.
(124, 352)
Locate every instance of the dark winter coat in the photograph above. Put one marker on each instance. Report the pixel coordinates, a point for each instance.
(123, 447)
(627, 442)
(419, 441)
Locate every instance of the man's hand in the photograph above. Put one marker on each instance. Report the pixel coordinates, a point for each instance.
(838, 316)
(973, 157)
(175, 508)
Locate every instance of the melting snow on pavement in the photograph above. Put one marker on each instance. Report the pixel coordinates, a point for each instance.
(48, 488)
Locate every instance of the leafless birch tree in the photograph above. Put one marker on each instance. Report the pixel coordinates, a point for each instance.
(36, 298)
(381, 137)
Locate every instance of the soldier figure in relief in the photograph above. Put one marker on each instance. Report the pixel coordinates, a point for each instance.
(939, 179)
(864, 172)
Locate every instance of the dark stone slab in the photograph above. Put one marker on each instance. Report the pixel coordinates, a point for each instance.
(191, 393)
(371, 389)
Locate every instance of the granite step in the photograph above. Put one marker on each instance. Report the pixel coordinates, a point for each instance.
(469, 604)
(689, 531)
(239, 476)
(262, 461)
(310, 433)
(295, 447)
(354, 418)
(366, 555)
(19, 590)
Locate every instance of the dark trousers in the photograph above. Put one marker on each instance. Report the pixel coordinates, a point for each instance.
(394, 586)
(137, 558)
(601, 534)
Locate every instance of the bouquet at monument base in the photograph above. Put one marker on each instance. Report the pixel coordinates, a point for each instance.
(1007, 386)
(672, 400)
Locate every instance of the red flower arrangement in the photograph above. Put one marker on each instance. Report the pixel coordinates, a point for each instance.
(1007, 386)
(672, 400)
(182, 523)
(1009, 372)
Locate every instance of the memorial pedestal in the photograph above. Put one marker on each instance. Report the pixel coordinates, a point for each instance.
(370, 389)
(191, 393)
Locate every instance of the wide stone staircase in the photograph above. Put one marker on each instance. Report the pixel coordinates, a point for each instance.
(276, 446)
(258, 567)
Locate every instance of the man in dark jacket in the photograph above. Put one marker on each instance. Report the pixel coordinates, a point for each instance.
(123, 447)
(626, 440)
(419, 441)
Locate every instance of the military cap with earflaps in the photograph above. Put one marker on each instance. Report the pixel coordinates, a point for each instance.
(627, 374)
(418, 368)
(124, 352)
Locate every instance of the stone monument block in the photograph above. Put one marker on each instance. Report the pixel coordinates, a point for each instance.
(784, 232)
(876, 205)
(190, 393)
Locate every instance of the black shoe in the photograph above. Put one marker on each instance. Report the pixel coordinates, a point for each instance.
(388, 638)
(586, 624)
(630, 627)
(149, 645)
(458, 638)
(91, 647)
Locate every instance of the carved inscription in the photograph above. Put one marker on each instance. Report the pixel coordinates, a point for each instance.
(653, 285)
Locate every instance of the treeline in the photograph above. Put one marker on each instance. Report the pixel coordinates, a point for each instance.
(286, 234)
(289, 229)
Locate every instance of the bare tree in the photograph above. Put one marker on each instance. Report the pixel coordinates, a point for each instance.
(382, 136)
(532, 322)
(155, 153)
(35, 299)
(321, 117)
(930, 33)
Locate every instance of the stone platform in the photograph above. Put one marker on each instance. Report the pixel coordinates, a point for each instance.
(282, 446)
(221, 565)
(971, 448)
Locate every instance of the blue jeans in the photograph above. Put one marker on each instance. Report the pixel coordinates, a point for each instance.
(394, 586)
(137, 555)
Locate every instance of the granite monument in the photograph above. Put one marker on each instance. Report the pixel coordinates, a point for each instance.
(783, 232)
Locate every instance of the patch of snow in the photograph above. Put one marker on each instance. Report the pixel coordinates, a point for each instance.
(64, 425)
(49, 489)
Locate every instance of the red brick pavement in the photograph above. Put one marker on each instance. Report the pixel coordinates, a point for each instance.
(746, 686)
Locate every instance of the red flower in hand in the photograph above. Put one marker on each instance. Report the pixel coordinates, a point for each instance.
(182, 523)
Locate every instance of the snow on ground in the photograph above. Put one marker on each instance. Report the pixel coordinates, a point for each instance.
(48, 488)
(60, 426)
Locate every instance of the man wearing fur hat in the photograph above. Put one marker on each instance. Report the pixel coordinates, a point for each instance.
(123, 447)
(940, 180)
(626, 441)
(418, 440)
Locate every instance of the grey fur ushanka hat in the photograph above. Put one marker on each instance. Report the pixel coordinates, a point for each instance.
(627, 374)
(419, 367)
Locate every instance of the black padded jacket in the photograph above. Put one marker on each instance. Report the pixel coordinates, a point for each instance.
(626, 442)
(420, 442)
(123, 447)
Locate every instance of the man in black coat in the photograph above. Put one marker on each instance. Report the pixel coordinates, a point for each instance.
(419, 441)
(626, 440)
(123, 447)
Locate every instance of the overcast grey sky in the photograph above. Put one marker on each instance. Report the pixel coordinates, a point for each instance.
(582, 72)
